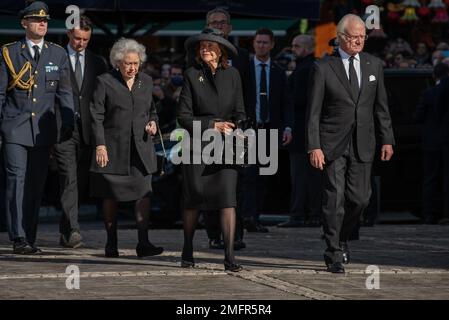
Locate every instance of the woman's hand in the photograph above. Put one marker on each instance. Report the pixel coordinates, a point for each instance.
(224, 127)
(151, 128)
(101, 155)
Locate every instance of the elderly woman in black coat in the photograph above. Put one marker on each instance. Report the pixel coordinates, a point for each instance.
(212, 96)
(124, 119)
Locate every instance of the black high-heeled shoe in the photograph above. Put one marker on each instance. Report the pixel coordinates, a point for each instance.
(147, 250)
(187, 261)
(232, 266)
(111, 252)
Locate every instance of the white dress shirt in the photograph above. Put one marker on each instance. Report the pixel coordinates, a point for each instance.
(30, 45)
(258, 70)
(345, 58)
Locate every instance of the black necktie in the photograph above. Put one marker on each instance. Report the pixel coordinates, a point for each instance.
(78, 72)
(36, 53)
(263, 94)
(353, 80)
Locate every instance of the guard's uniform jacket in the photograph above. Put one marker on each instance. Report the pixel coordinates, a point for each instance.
(28, 92)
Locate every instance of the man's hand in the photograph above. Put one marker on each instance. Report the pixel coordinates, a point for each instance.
(151, 128)
(317, 159)
(386, 152)
(286, 137)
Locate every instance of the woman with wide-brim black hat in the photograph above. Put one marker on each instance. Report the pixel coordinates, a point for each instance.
(211, 95)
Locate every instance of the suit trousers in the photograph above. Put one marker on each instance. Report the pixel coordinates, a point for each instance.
(73, 158)
(306, 184)
(433, 170)
(346, 193)
(26, 170)
(446, 181)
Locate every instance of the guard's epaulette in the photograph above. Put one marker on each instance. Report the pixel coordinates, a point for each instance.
(55, 44)
(8, 44)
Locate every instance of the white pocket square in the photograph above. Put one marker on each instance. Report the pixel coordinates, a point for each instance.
(372, 78)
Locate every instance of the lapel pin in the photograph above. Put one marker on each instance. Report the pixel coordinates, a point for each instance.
(201, 79)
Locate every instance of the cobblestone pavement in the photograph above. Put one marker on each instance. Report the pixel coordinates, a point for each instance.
(284, 264)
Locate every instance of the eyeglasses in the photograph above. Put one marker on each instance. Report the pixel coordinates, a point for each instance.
(218, 23)
(353, 38)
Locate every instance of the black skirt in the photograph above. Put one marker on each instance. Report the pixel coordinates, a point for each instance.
(209, 187)
(134, 186)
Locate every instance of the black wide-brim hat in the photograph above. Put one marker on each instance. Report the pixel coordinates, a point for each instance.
(210, 34)
(36, 9)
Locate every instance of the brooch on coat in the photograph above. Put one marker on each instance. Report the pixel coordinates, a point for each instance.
(201, 79)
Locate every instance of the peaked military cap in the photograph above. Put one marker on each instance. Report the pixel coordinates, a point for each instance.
(36, 9)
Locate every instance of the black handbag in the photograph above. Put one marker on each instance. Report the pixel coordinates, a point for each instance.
(240, 147)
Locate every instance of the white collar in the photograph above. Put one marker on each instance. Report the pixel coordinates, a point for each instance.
(72, 52)
(31, 44)
(257, 62)
(345, 56)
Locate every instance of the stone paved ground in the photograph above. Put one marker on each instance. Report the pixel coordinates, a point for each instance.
(285, 264)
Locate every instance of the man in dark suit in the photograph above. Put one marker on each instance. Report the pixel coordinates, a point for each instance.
(270, 105)
(432, 146)
(220, 19)
(348, 102)
(305, 205)
(73, 156)
(34, 75)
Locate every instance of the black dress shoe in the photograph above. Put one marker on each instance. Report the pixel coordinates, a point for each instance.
(327, 261)
(111, 252)
(336, 267)
(216, 244)
(232, 266)
(239, 244)
(253, 226)
(345, 253)
(147, 250)
(23, 247)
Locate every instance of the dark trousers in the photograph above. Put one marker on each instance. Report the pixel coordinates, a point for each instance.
(3, 226)
(73, 159)
(432, 172)
(26, 171)
(306, 182)
(446, 181)
(346, 193)
(255, 189)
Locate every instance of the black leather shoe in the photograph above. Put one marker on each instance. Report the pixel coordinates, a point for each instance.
(345, 253)
(111, 252)
(147, 250)
(336, 267)
(216, 244)
(23, 247)
(327, 261)
(232, 266)
(239, 244)
(253, 226)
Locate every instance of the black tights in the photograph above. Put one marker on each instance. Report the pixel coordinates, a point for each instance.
(142, 209)
(227, 220)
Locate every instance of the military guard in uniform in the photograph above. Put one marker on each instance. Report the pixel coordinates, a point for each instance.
(34, 75)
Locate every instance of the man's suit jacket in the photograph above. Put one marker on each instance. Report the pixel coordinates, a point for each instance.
(427, 115)
(299, 87)
(28, 117)
(333, 114)
(279, 100)
(94, 66)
